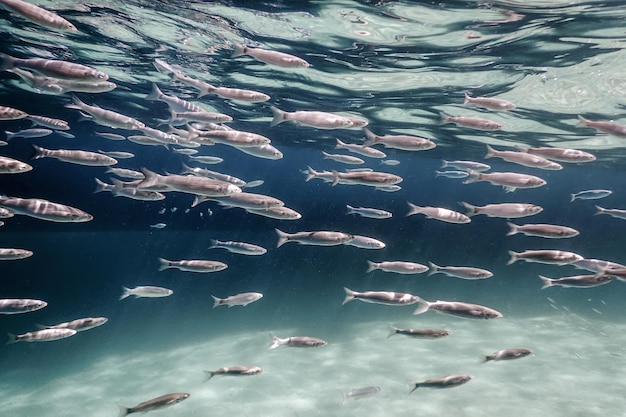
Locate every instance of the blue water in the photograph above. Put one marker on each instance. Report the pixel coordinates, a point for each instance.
(396, 64)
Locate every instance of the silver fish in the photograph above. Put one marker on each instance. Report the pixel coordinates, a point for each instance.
(459, 309)
(462, 272)
(611, 128)
(202, 172)
(249, 201)
(555, 257)
(320, 238)
(125, 173)
(146, 291)
(318, 119)
(266, 151)
(174, 103)
(344, 159)
(186, 184)
(235, 138)
(9, 113)
(242, 299)
(13, 166)
(402, 142)
(205, 159)
(488, 103)
(381, 297)
(578, 281)
(465, 165)
(591, 194)
(238, 247)
(471, 122)
(154, 404)
(106, 117)
(452, 174)
(12, 254)
(280, 59)
(508, 354)
(28, 133)
(121, 189)
(20, 305)
(439, 213)
(365, 242)
(509, 180)
(449, 381)
(367, 178)
(46, 335)
(74, 156)
(398, 267)
(233, 371)
(419, 333)
(280, 213)
(369, 212)
(297, 341)
(201, 266)
(360, 149)
(504, 210)
(199, 116)
(549, 231)
(44, 209)
(80, 325)
(597, 265)
(523, 158)
(38, 15)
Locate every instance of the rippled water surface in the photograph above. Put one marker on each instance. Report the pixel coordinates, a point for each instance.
(400, 66)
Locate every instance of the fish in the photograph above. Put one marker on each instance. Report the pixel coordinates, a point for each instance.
(229, 93)
(561, 154)
(44, 210)
(80, 325)
(38, 15)
(249, 201)
(365, 242)
(75, 156)
(554, 257)
(238, 247)
(549, 231)
(236, 138)
(419, 333)
(458, 309)
(186, 184)
(611, 128)
(9, 113)
(146, 291)
(28, 133)
(266, 151)
(488, 103)
(617, 213)
(49, 122)
(510, 181)
(162, 137)
(503, 210)
(154, 404)
(125, 173)
(367, 178)
(234, 371)
(106, 117)
(254, 184)
(359, 393)
(20, 305)
(508, 354)
(369, 212)
(398, 267)
(297, 341)
(205, 159)
(121, 189)
(452, 174)
(361, 150)
(381, 297)
(578, 281)
(318, 119)
(199, 116)
(57, 86)
(524, 159)
(438, 213)
(448, 381)
(471, 122)
(597, 265)
(277, 58)
(201, 266)
(46, 335)
(242, 299)
(590, 195)
(110, 136)
(54, 68)
(12, 254)
(460, 271)
(280, 213)
(466, 165)
(158, 226)
(13, 166)
(319, 238)
(402, 142)
(344, 159)
(176, 104)
(202, 172)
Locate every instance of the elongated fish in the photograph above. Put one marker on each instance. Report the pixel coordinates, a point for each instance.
(44, 210)
(611, 128)
(175, 103)
(471, 122)
(591, 194)
(549, 231)
(266, 151)
(578, 281)
(617, 213)
(297, 341)
(318, 119)
(368, 178)
(193, 265)
(124, 189)
(80, 325)
(106, 117)
(359, 393)
(488, 103)
(11, 254)
(508, 354)
(45, 335)
(463, 272)
(344, 159)
(38, 15)
(9, 113)
(13, 166)
(555, 257)
(146, 291)
(20, 305)
(361, 150)
(203, 172)
(57, 86)
(439, 213)
(28, 133)
(242, 299)
(524, 159)
(277, 58)
(458, 309)
(466, 165)
(561, 154)
(75, 156)
(320, 238)
(504, 210)
(402, 142)
(154, 404)
(449, 381)
(235, 138)
(53, 68)
(381, 297)
(187, 184)
(369, 212)
(249, 201)
(234, 371)
(419, 333)
(398, 267)
(510, 181)
(238, 247)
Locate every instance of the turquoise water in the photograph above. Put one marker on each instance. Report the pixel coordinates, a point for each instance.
(396, 64)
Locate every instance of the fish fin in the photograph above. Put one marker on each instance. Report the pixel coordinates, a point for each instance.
(279, 116)
(370, 137)
(125, 293)
(276, 342)
(155, 94)
(547, 282)
(9, 135)
(514, 257)
(350, 209)
(508, 188)
(349, 295)
(151, 178)
(434, 269)
(423, 306)
(12, 338)
(471, 210)
(582, 122)
(239, 50)
(209, 375)
(216, 301)
(413, 209)
(599, 210)
(572, 198)
(444, 118)
(214, 243)
(39, 152)
(123, 410)
(513, 230)
(335, 178)
(371, 266)
(467, 99)
(6, 62)
(164, 264)
(282, 238)
(484, 358)
(490, 152)
(393, 331)
(473, 176)
(340, 144)
(101, 186)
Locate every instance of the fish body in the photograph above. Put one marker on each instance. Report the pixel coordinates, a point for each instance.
(361, 150)
(57, 86)
(319, 238)
(266, 151)
(365, 242)
(318, 119)
(203, 172)
(106, 117)
(238, 247)
(80, 325)
(234, 371)
(578, 281)
(242, 299)
(297, 341)
(146, 292)
(49, 122)
(452, 174)
(509, 180)
(471, 122)
(449, 381)
(508, 354)
(458, 309)
(28, 133)
(13, 166)
(235, 138)
(419, 333)
(344, 159)
(280, 59)
(9, 113)
(591, 194)
(382, 297)
(466, 165)
(597, 265)
(562, 154)
(154, 404)
(489, 103)
(20, 305)
(200, 266)
(439, 213)
(367, 178)
(398, 267)
(11, 254)
(462, 272)
(38, 15)
(369, 212)
(549, 231)
(45, 335)
(54, 68)
(611, 128)
(205, 159)
(122, 189)
(503, 210)
(617, 213)
(44, 210)
(176, 104)
(402, 142)
(554, 257)
(200, 116)
(187, 184)
(523, 158)
(78, 157)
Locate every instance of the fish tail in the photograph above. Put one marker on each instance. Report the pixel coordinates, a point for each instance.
(371, 266)
(276, 342)
(349, 295)
(239, 50)
(433, 268)
(547, 282)
(164, 264)
(186, 169)
(413, 209)
(279, 116)
(413, 386)
(485, 358)
(12, 338)
(513, 230)
(208, 375)
(422, 307)
(336, 178)
(340, 144)
(326, 155)
(206, 89)
(444, 118)
(572, 198)
(214, 244)
(514, 257)
(10, 135)
(124, 411)
(216, 302)
(39, 152)
(471, 210)
(599, 210)
(393, 331)
(6, 62)
(76, 103)
(155, 94)
(311, 173)
(467, 99)
(582, 122)
(350, 209)
(490, 152)
(282, 238)
(474, 176)
(125, 293)
(101, 186)
(151, 178)
(370, 137)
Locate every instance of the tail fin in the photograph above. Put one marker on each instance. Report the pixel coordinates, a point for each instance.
(279, 116)
(350, 295)
(413, 386)
(164, 264)
(370, 137)
(282, 238)
(444, 118)
(6, 62)
(514, 230)
(206, 89)
(239, 50)
(340, 144)
(434, 269)
(336, 178)
(155, 94)
(311, 173)
(350, 209)
(10, 135)
(471, 210)
(214, 243)
(123, 410)
(393, 331)
(582, 122)
(209, 375)
(371, 266)
(125, 293)
(151, 179)
(413, 209)
(514, 257)
(102, 186)
(599, 210)
(216, 301)
(76, 104)
(12, 338)
(490, 152)
(547, 282)
(467, 99)
(39, 152)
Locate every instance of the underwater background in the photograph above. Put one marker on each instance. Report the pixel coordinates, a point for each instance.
(397, 64)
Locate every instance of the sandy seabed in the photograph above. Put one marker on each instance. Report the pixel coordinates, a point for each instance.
(576, 370)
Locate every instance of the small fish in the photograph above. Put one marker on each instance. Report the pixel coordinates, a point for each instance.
(367, 178)
(369, 212)
(280, 213)
(419, 333)
(13, 166)
(549, 231)
(449, 381)
(46, 335)
(365, 242)
(146, 291)
(110, 136)
(359, 393)
(390, 162)
(460, 271)
(320, 238)
(504, 210)
(44, 210)
(591, 195)
(508, 354)
(611, 128)
(9, 113)
(488, 103)
(11, 254)
(617, 213)
(466, 165)
(233, 371)
(561, 154)
(238, 247)
(242, 299)
(49, 122)
(510, 181)
(280, 59)
(205, 159)
(78, 157)
(20, 305)
(381, 297)
(471, 122)
(154, 404)
(452, 174)
(439, 213)
(106, 117)
(554, 257)
(80, 325)
(118, 154)
(360, 149)
(158, 226)
(597, 265)
(398, 267)
(523, 158)
(402, 142)
(578, 281)
(297, 341)
(266, 151)
(38, 15)
(344, 159)
(54, 68)
(254, 184)
(28, 133)
(458, 309)
(200, 266)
